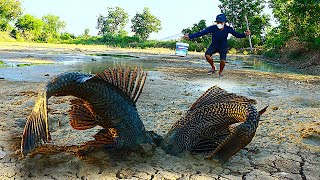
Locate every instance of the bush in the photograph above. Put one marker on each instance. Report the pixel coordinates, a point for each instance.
(316, 44)
(67, 36)
(232, 51)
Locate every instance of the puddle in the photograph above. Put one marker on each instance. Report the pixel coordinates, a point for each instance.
(93, 63)
(255, 63)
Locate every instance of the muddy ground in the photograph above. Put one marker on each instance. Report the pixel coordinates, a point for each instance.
(286, 145)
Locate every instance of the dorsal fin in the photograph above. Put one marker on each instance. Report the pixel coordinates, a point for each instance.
(129, 80)
(263, 110)
(218, 95)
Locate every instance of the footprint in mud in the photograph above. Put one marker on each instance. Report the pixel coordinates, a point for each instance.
(306, 102)
(310, 134)
(312, 140)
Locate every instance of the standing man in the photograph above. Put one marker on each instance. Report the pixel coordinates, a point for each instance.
(219, 44)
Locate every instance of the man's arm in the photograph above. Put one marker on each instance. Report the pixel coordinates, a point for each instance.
(239, 35)
(200, 33)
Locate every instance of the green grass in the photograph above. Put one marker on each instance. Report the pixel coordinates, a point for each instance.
(33, 64)
(3, 64)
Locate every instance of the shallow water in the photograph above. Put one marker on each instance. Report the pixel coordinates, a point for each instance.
(92, 63)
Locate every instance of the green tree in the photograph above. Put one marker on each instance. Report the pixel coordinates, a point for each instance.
(86, 33)
(237, 10)
(144, 24)
(9, 11)
(52, 27)
(67, 36)
(29, 27)
(114, 22)
(300, 19)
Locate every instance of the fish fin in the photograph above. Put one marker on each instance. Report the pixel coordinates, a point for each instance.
(82, 116)
(36, 130)
(263, 110)
(213, 138)
(239, 137)
(219, 114)
(108, 137)
(217, 95)
(128, 80)
(205, 145)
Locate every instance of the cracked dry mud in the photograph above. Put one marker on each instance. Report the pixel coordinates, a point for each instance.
(286, 145)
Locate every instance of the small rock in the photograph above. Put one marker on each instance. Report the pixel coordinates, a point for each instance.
(46, 75)
(285, 175)
(2, 154)
(147, 149)
(20, 122)
(203, 177)
(258, 174)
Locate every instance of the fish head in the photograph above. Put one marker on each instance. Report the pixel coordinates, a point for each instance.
(170, 144)
(154, 137)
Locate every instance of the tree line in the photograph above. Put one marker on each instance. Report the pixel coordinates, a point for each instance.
(49, 27)
(296, 20)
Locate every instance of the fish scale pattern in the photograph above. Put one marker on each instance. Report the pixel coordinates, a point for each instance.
(106, 99)
(217, 121)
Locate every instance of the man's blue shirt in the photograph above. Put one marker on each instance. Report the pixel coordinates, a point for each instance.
(219, 37)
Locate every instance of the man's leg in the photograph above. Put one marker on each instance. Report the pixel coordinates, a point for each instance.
(210, 51)
(222, 64)
(223, 57)
(210, 61)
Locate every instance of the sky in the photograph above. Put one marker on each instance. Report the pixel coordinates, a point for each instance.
(174, 15)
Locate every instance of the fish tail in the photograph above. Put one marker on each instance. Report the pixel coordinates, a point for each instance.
(36, 130)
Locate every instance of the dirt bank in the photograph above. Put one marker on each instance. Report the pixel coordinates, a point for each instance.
(299, 55)
(286, 146)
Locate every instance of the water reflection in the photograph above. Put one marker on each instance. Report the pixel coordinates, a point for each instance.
(256, 63)
(97, 63)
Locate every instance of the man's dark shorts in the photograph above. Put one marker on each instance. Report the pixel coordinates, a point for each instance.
(223, 53)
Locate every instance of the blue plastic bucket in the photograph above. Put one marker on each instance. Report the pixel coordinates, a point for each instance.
(182, 49)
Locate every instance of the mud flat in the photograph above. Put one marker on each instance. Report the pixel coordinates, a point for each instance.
(286, 145)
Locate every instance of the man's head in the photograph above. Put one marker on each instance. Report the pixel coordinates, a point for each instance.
(221, 20)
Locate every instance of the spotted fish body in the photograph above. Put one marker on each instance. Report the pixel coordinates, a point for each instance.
(218, 122)
(106, 99)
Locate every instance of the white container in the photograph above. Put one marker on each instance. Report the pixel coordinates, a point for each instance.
(182, 49)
